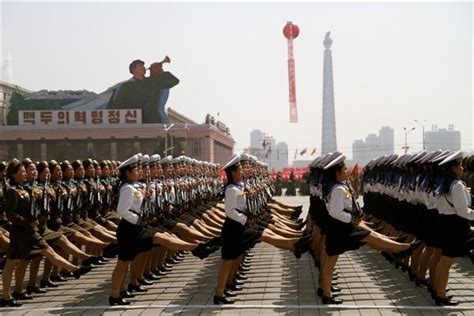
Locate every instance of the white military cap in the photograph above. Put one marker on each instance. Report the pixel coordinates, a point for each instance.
(144, 159)
(391, 159)
(340, 157)
(441, 156)
(430, 156)
(403, 159)
(455, 156)
(382, 160)
(370, 163)
(314, 162)
(244, 157)
(406, 159)
(417, 156)
(154, 159)
(396, 162)
(326, 159)
(252, 158)
(235, 159)
(166, 160)
(132, 162)
(175, 160)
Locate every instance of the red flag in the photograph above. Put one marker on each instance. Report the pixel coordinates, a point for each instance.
(303, 152)
(296, 152)
(313, 152)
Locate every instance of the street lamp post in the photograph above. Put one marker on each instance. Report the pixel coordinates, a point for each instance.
(423, 131)
(406, 134)
(166, 137)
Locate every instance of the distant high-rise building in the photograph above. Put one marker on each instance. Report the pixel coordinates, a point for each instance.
(329, 141)
(387, 140)
(281, 156)
(443, 139)
(359, 151)
(275, 154)
(256, 139)
(374, 146)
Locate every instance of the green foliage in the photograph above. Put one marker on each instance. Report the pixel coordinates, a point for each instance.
(18, 103)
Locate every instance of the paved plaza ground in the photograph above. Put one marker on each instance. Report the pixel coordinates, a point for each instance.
(278, 283)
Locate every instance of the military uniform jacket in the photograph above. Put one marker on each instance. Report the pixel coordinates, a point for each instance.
(236, 203)
(18, 207)
(340, 199)
(456, 202)
(130, 202)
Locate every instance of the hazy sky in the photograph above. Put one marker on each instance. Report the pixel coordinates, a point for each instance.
(393, 62)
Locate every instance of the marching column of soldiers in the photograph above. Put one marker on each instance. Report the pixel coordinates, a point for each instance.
(424, 196)
(419, 201)
(253, 216)
(337, 223)
(149, 211)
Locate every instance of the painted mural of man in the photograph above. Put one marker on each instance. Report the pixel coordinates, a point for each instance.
(156, 69)
(144, 92)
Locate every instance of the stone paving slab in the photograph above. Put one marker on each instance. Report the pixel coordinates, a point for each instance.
(278, 283)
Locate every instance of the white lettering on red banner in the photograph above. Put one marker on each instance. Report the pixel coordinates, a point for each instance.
(89, 117)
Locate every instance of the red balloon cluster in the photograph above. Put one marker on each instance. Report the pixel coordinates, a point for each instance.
(291, 30)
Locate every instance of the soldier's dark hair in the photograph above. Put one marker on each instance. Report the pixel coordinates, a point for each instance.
(331, 172)
(3, 166)
(41, 166)
(12, 169)
(26, 162)
(86, 163)
(52, 164)
(228, 173)
(123, 176)
(329, 179)
(76, 164)
(471, 163)
(64, 165)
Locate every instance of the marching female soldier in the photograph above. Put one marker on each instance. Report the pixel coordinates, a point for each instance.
(83, 202)
(53, 238)
(455, 213)
(132, 235)
(24, 238)
(344, 230)
(236, 234)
